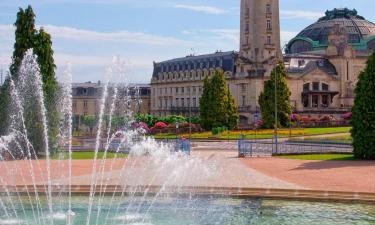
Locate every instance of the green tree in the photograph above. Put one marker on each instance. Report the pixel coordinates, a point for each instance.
(43, 49)
(27, 37)
(363, 120)
(90, 121)
(267, 99)
(24, 35)
(217, 106)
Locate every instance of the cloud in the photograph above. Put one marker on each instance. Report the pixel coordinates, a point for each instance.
(290, 14)
(70, 33)
(201, 8)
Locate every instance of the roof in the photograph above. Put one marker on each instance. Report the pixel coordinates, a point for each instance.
(302, 64)
(224, 60)
(199, 57)
(358, 30)
(356, 27)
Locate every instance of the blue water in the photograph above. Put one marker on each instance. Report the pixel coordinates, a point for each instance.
(201, 211)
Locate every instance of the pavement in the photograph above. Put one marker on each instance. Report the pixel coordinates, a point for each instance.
(212, 164)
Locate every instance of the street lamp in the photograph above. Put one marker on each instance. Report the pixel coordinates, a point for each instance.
(276, 128)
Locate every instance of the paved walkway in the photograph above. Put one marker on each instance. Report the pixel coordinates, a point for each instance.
(205, 168)
(352, 176)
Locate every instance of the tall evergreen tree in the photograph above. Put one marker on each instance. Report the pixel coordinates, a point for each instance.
(43, 49)
(24, 35)
(363, 120)
(267, 99)
(27, 37)
(217, 106)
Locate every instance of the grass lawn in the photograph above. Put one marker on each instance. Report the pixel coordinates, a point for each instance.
(259, 134)
(327, 157)
(87, 155)
(343, 138)
(326, 130)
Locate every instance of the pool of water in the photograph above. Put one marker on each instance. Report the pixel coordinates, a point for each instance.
(191, 211)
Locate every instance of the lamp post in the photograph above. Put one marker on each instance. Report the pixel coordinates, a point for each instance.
(276, 119)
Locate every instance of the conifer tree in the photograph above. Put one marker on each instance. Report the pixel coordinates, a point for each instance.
(363, 120)
(218, 107)
(27, 37)
(267, 99)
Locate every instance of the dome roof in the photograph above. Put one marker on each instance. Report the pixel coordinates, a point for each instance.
(356, 27)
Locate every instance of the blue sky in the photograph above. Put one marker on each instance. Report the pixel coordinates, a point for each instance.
(87, 33)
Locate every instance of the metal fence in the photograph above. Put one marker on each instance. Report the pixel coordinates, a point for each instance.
(248, 148)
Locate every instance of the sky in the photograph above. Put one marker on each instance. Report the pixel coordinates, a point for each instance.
(88, 33)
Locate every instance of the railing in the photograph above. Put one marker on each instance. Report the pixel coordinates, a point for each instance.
(251, 148)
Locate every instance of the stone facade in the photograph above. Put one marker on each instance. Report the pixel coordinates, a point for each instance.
(323, 63)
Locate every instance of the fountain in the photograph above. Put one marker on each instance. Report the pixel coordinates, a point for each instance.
(152, 185)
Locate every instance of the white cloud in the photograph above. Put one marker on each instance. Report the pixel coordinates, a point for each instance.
(296, 14)
(70, 33)
(201, 8)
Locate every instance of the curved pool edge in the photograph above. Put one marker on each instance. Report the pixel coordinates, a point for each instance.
(244, 192)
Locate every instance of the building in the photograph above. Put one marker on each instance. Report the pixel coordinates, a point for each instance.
(177, 84)
(323, 63)
(87, 98)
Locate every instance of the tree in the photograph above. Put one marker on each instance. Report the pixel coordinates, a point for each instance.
(43, 49)
(217, 106)
(27, 37)
(24, 35)
(363, 119)
(267, 99)
(90, 121)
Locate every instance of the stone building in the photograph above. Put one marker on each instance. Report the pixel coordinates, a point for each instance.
(323, 63)
(87, 98)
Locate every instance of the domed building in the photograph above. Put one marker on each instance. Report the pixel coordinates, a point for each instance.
(323, 63)
(325, 59)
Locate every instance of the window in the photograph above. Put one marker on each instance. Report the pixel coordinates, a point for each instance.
(243, 100)
(269, 26)
(194, 102)
(85, 104)
(177, 102)
(325, 102)
(194, 89)
(325, 87)
(268, 8)
(182, 102)
(176, 90)
(243, 87)
(306, 87)
(247, 28)
(182, 90)
(315, 101)
(74, 105)
(188, 102)
(316, 86)
(305, 101)
(269, 41)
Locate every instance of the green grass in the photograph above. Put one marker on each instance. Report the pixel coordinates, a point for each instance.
(345, 138)
(325, 157)
(87, 155)
(261, 134)
(326, 130)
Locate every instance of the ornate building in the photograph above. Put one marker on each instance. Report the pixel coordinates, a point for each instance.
(323, 63)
